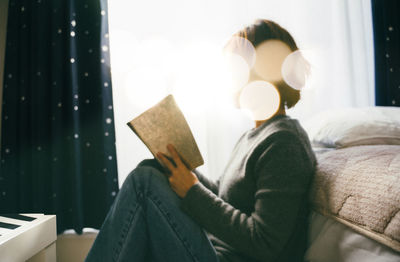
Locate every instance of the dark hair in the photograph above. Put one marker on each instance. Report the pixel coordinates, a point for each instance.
(262, 30)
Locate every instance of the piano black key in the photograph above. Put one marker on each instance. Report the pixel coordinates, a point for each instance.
(18, 216)
(9, 226)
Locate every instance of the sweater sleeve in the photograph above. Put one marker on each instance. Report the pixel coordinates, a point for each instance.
(282, 174)
(213, 186)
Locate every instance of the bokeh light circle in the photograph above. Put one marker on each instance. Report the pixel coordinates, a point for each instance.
(145, 86)
(296, 70)
(237, 71)
(261, 98)
(242, 47)
(270, 57)
(123, 53)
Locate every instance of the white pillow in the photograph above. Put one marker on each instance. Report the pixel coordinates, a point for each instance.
(355, 126)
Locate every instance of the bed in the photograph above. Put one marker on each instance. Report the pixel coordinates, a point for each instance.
(355, 194)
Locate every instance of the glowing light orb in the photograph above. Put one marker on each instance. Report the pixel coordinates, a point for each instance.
(242, 47)
(195, 76)
(123, 51)
(144, 87)
(261, 99)
(296, 70)
(205, 78)
(237, 71)
(153, 51)
(270, 57)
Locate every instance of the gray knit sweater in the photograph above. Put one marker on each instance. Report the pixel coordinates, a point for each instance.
(257, 210)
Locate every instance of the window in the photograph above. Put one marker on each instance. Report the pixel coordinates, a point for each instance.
(160, 47)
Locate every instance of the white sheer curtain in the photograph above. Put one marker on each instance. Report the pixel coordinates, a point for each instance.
(158, 47)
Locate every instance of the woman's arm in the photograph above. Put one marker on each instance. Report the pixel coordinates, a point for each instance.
(282, 174)
(180, 176)
(213, 186)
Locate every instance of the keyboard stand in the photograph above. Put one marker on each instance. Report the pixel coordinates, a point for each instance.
(22, 240)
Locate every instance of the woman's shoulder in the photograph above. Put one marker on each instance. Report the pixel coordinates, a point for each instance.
(284, 127)
(282, 131)
(285, 132)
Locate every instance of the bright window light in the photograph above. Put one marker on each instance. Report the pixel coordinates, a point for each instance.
(160, 47)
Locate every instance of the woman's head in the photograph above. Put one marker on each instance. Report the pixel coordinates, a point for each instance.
(272, 44)
(262, 30)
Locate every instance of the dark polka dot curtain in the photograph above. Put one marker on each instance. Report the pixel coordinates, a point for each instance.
(386, 22)
(58, 139)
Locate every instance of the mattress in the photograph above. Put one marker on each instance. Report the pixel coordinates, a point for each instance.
(330, 241)
(360, 187)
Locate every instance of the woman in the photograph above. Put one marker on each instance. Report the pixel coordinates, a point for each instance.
(257, 211)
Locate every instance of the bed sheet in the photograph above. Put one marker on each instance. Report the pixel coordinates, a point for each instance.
(331, 241)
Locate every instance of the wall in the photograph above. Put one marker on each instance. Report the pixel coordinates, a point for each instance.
(3, 29)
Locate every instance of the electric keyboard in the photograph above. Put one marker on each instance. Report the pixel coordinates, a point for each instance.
(23, 236)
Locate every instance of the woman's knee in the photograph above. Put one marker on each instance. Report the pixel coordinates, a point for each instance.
(151, 163)
(144, 177)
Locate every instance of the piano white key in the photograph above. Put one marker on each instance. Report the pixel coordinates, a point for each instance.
(37, 215)
(12, 221)
(4, 231)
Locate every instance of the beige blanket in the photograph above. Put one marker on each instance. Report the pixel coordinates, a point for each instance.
(360, 187)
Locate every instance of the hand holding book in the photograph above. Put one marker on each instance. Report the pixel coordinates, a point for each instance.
(181, 179)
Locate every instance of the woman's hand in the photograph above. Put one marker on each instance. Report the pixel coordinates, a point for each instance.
(181, 179)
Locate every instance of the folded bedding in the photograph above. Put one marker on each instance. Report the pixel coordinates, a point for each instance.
(355, 126)
(359, 186)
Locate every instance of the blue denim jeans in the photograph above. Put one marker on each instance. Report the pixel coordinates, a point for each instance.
(145, 223)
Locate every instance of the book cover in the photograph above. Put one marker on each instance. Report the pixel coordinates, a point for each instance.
(164, 124)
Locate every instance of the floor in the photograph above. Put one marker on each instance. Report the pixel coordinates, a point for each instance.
(74, 248)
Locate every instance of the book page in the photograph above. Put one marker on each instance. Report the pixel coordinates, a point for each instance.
(165, 124)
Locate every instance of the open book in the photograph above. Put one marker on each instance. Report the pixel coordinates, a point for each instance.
(165, 124)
